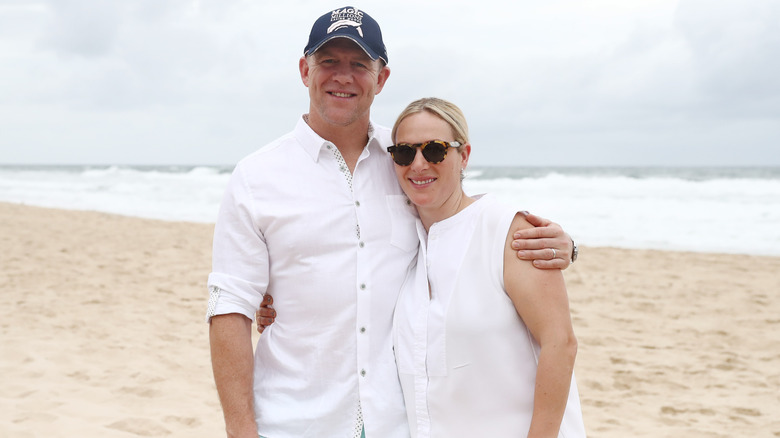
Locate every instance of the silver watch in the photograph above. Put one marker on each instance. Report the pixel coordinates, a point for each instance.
(574, 251)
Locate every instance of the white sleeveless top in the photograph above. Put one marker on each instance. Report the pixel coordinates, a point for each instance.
(466, 361)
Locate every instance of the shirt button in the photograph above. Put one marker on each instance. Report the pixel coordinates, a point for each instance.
(361, 244)
(362, 329)
(408, 202)
(363, 373)
(357, 203)
(363, 286)
(329, 147)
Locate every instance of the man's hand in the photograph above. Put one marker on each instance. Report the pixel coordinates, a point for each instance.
(547, 245)
(265, 315)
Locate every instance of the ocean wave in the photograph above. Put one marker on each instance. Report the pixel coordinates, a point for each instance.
(732, 212)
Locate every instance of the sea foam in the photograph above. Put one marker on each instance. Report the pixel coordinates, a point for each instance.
(710, 210)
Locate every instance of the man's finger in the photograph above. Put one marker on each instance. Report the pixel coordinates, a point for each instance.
(265, 316)
(265, 312)
(556, 263)
(536, 233)
(540, 254)
(536, 221)
(537, 254)
(265, 321)
(532, 244)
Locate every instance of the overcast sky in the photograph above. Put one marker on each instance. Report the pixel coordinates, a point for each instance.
(553, 82)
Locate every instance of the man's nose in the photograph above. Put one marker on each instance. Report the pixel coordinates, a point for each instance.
(343, 73)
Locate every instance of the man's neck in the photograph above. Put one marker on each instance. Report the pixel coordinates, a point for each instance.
(350, 139)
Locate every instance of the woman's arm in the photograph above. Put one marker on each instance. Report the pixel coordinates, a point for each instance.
(541, 300)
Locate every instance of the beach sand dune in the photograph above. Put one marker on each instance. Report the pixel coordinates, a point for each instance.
(103, 334)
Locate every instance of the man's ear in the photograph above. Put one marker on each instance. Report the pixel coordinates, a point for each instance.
(381, 78)
(303, 66)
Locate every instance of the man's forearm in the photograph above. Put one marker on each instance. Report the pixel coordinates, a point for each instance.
(232, 360)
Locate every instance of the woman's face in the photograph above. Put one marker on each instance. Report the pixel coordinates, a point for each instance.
(430, 185)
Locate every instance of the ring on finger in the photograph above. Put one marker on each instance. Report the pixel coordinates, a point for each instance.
(553, 253)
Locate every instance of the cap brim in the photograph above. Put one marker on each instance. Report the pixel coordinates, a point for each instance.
(371, 54)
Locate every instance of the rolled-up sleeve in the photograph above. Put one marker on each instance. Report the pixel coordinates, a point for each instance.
(239, 276)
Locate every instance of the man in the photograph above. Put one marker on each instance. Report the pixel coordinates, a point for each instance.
(317, 220)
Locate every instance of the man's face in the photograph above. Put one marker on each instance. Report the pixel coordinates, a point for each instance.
(342, 82)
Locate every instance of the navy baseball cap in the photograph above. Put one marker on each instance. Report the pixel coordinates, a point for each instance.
(348, 22)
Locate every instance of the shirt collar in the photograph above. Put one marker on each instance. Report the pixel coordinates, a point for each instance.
(373, 141)
(313, 144)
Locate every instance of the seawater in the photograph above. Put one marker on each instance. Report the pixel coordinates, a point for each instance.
(729, 210)
(711, 210)
(175, 193)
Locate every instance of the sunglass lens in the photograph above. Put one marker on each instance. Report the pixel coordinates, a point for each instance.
(434, 152)
(404, 155)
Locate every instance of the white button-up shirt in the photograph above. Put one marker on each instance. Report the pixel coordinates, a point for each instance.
(332, 248)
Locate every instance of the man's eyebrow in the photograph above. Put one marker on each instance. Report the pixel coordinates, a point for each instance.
(323, 53)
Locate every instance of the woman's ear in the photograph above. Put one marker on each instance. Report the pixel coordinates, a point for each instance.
(465, 152)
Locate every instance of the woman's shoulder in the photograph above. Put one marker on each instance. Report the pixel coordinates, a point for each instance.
(498, 212)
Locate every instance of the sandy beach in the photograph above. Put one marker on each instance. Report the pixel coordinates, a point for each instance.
(103, 334)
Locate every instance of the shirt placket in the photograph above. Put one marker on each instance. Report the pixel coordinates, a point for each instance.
(420, 346)
(362, 298)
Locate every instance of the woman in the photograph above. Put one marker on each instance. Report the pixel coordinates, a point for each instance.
(483, 341)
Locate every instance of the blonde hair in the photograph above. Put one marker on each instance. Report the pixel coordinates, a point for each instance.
(447, 111)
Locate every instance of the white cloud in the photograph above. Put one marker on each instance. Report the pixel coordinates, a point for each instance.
(558, 82)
